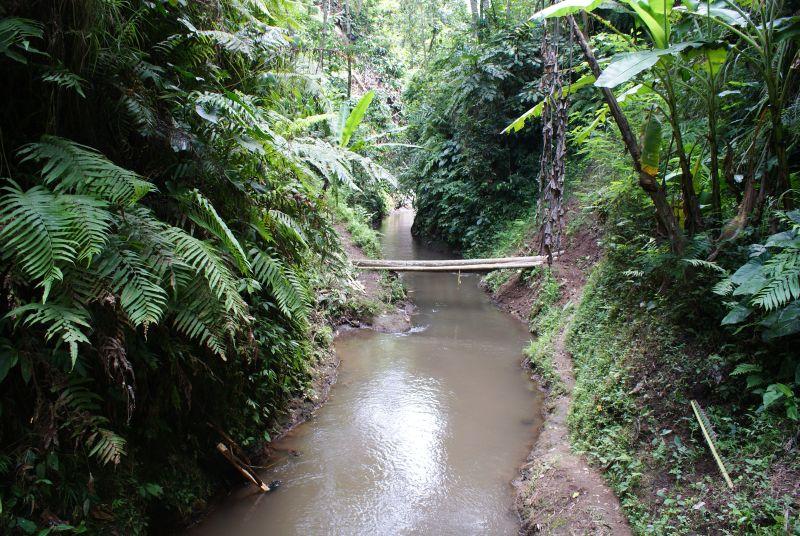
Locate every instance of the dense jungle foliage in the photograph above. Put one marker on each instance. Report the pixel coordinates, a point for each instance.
(170, 268)
(680, 138)
(173, 172)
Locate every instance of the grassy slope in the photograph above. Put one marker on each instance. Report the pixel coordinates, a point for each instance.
(636, 372)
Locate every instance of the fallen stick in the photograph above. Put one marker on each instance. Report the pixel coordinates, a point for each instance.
(246, 471)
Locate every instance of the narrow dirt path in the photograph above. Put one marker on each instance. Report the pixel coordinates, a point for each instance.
(558, 492)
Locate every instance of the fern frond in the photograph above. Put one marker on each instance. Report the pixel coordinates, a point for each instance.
(203, 213)
(106, 446)
(285, 287)
(203, 257)
(86, 426)
(141, 297)
(287, 226)
(15, 36)
(200, 317)
(66, 323)
(35, 229)
(91, 224)
(701, 263)
(66, 79)
(724, 287)
(327, 161)
(72, 167)
(783, 273)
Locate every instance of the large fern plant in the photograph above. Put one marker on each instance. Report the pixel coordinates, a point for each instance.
(765, 291)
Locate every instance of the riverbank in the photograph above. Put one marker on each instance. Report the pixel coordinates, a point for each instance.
(621, 364)
(557, 491)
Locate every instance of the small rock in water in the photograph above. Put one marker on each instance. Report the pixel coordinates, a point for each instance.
(275, 484)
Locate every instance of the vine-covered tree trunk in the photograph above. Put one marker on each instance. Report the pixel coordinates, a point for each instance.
(554, 147)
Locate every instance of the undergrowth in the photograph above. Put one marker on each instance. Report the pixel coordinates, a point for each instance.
(631, 416)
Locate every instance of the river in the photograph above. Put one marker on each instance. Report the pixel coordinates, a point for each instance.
(423, 432)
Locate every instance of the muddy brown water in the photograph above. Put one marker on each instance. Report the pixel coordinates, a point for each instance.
(423, 432)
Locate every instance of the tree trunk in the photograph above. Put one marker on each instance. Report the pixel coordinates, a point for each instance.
(473, 9)
(691, 205)
(324, 34)
(664, 215)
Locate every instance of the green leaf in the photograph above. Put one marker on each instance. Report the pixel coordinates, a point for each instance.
(519, 123)
(651, 146)
(8, 359)
(355, 118)
(27, 526)
(564, 8)
(626, 66)
(745, 368)
(736, 315)
(771, 395)
(747, 271)
(654, 14)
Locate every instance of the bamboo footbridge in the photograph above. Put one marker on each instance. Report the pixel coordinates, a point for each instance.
(455, 265)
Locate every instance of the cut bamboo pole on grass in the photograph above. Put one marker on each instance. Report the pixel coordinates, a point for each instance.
(243, 468)
(705, 427)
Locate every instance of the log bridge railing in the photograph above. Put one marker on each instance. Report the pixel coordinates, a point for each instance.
(455, 265)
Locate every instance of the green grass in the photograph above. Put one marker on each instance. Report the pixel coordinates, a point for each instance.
(547, 320)
(631, 417)
(357, 222)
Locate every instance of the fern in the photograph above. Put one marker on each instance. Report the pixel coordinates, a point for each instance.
(90, 226)
(86, 426)
(290, 294)
(141, 297)
(35, 229)
(66, 79)
(202, 212)
(201, 318)
(701, 263)
(783, 275)
(287, 226)
(71, 167)
(15, 36)
(203, 257)
(65, 322)
(107, 446)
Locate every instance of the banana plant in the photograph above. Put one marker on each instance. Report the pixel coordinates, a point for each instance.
(654, 16)
(767, 39)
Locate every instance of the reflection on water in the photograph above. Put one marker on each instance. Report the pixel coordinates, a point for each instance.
(423, 431)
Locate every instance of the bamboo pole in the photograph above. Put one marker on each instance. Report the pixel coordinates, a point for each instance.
(707, 435)
(452, 262)
(485, 267)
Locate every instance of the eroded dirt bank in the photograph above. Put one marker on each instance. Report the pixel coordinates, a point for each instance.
(557, 491)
